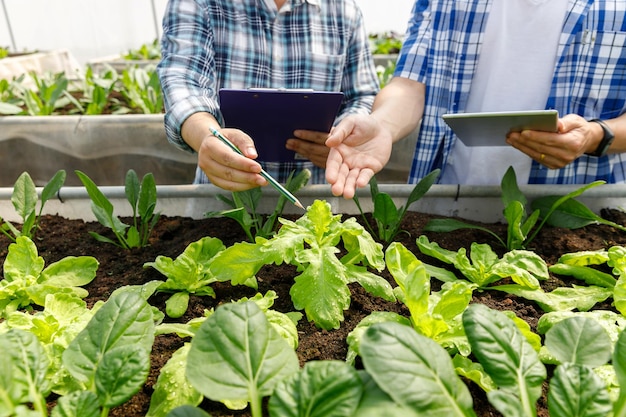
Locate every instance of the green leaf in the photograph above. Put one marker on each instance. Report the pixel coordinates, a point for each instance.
(121, 374)
(177, 304)
(77, 404)
(507, 357)
(322, 389)
(26, 366)
(237, 355)
(414, 371)
(187, 411)
(579, 340)
(172, 388)
(125, 319)
(321, 289)
(619, 364)
(577, 390)
(24, 197)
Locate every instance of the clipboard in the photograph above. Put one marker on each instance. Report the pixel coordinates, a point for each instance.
(490, 128)
(270, 116)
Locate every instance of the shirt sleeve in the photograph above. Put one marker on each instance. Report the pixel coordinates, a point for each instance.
(413, 60)
(359, 82)
(187, 67)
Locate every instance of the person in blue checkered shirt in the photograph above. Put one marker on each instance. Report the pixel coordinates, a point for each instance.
(293, 44)
(498, 55)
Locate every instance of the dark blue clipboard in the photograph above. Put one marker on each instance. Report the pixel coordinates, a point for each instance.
(270, 116)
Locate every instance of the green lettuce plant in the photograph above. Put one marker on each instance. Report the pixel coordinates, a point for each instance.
(97, 91)
(108, 360)
(142, 197)
(24, 199)
(412, 375)
(436, 314)
(27, 282)
(311, 244)
(147, 51)
(190, 273)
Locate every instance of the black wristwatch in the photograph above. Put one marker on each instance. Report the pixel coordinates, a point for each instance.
(606, 141)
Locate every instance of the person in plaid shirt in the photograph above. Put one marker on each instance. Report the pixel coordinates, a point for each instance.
(293, 44)
(499, 55)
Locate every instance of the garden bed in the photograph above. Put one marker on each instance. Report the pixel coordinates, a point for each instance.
(60, 237)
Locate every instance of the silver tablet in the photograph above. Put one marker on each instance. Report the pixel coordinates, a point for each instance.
(490, 128)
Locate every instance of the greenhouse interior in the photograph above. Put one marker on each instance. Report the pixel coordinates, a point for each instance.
(406, 271)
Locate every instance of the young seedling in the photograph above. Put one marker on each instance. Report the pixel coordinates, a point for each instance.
(388, 217)
(142, 198)
(522, 228)
(24, 199)
(245, 204)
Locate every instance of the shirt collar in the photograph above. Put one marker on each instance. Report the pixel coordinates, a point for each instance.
(294, 3)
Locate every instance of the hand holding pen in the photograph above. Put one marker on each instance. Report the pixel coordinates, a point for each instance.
(282, 190)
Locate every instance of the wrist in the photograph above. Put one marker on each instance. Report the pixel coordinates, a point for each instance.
(606, 138)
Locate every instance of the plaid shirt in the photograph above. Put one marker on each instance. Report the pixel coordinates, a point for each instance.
(589, 77)
(213, 44)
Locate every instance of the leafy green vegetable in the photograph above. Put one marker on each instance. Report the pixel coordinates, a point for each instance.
(310, 243)
(24, 368)
(97, 91)
(142, 198)
(142, 88)
(522, 227)
(507, 358)
(24, 199)
(388, 217)
(172, 387)
(111, 356)
(26, 281)
(237, 355)
(188, 274)
(322, 388)
(483, 266)
(385, 43)
(245, 206)
(570, 214)
(147, 51)
(414, 371)
(49, 94)
(579, 344)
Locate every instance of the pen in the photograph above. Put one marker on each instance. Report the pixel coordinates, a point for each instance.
(285, 192)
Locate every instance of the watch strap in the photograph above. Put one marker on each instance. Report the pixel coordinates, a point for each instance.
(606, 141)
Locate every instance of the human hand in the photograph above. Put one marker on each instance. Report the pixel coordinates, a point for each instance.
(573, 138)
(359, 148)
(311, 145)
(226, 168)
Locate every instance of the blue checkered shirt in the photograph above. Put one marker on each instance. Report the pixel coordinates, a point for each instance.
(442, 49)
(213, 44)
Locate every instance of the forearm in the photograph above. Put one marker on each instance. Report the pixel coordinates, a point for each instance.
(399, 106)
(197, 127)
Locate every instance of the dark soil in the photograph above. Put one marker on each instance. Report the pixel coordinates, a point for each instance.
(59, 237)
